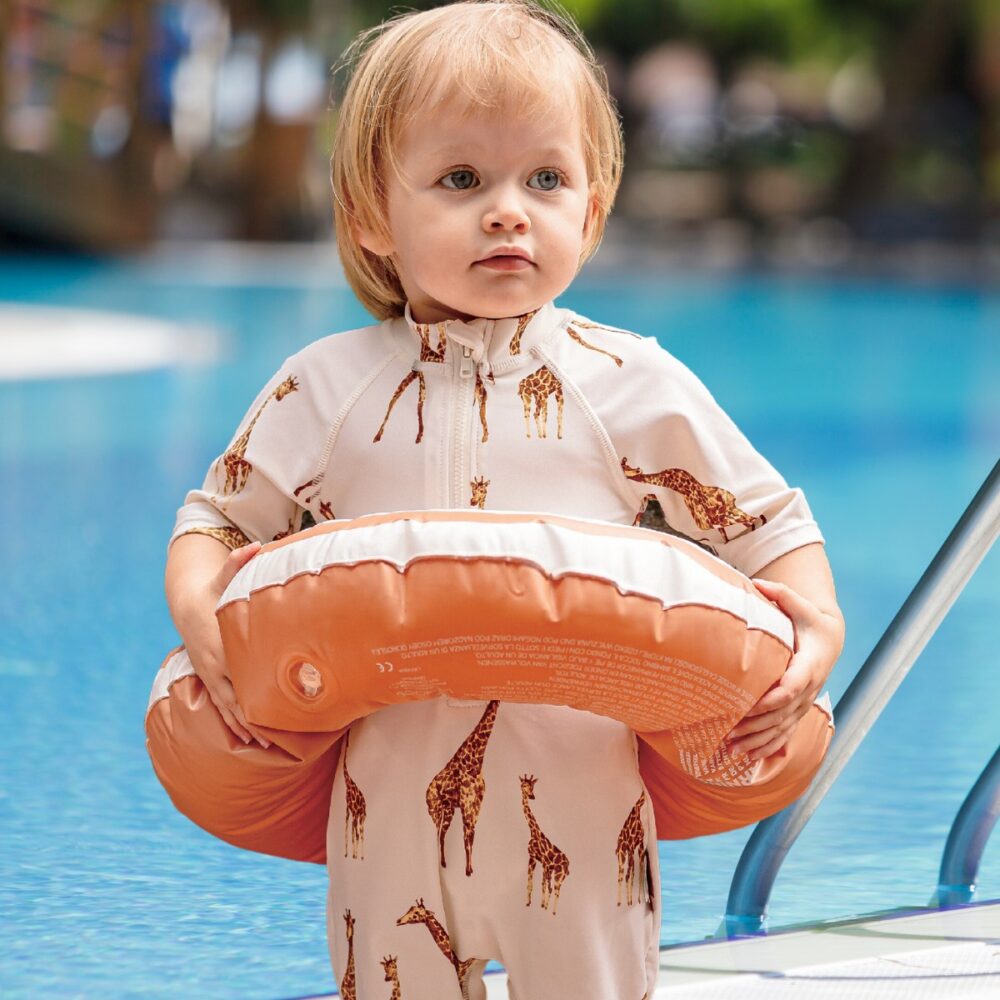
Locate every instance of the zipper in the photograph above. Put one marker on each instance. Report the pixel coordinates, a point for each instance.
(460, 430)
(468, 368)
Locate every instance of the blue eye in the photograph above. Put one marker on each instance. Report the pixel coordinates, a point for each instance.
(548, 180)
(459, 180)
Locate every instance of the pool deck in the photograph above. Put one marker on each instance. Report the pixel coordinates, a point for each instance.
(932, 954)
(898, 955)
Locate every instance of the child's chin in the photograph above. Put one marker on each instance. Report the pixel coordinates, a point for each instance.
(502, 306)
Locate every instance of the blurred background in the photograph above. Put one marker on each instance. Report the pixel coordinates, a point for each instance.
(811, 133)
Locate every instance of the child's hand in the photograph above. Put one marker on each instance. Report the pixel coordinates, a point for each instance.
(768, 726)
(203, 642)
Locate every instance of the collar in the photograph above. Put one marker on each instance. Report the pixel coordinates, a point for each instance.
(500, 343)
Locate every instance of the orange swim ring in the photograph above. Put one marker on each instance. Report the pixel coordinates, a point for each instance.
(328, 625)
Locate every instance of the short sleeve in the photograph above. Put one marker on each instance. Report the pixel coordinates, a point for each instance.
(675, 444)
(249, 493)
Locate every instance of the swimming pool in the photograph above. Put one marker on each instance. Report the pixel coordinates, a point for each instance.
(881, 401)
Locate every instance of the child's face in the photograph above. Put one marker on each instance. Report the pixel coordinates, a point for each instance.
(477, 185)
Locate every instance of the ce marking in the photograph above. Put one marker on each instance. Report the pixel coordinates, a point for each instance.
(385, 668)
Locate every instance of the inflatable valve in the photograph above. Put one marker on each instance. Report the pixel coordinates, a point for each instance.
(309, 680)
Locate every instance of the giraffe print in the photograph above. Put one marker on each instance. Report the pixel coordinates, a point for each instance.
(574, 335)
(650, 515)
(324, 508)
(587, 325)
(435, 355)
(354, 812)
(349, 984)
(287, 531)
(479, 488)
(419, 914)
(522, 325)
(234, 461)
(537, 387)
(428, 355)
(632, 854)
(479, 399)
(460, 785)
(233, 538)
(421, 397)
(709, 506)
(555, 864)
(315, 481)
(392, 976)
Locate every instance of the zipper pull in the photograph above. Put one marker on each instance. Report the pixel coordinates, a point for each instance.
(468, 368)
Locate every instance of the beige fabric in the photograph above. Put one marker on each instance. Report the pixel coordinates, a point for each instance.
(309, 436)
(548, 412)
(412, 765)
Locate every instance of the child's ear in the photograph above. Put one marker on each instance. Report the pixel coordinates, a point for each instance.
(374, 242)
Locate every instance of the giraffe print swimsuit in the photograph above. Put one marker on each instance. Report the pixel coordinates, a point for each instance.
(464, 831)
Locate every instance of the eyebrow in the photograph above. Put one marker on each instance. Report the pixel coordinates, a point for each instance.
(459, 149)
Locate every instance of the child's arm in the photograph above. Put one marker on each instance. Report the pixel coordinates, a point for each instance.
(248, 496)
(199, 569)
(801, 584)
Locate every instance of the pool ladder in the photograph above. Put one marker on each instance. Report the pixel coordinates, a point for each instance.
(862, 703)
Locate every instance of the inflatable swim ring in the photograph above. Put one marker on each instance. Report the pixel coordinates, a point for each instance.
(328, 625)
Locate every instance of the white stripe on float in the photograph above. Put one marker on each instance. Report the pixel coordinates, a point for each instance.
(178, 666)
(631, 565)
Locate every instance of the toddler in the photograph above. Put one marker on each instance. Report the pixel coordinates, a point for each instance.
(476, 159)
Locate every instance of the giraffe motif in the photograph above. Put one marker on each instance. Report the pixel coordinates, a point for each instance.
(349, 984)
(434, 355)
(315, 481)
(522, 325)
(460, 785)
(419, 914)
(237, 468)
(587, 325)
(479, 399)
(538, 386)
(392, 976)
(421, 397)
(650, 515)
(574, 335)
(710, 506)
(429, 355)
(324, 507)
(479, 487)
(354, 813)
(286, 532)
(232, 538)
(555, 864)
(632, 855)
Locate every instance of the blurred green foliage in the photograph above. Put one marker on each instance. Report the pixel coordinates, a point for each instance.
(787, 30)
(931, 129)
(279, 12)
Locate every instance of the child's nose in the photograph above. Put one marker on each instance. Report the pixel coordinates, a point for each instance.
(506, 214)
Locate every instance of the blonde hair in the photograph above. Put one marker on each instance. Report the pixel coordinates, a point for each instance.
(494, 54)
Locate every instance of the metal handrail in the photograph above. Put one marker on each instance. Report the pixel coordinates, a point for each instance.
(915, 622)
(967, 838)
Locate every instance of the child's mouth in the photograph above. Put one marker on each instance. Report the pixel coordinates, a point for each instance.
(505, 262)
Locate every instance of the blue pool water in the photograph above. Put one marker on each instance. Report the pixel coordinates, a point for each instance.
(881, 401)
